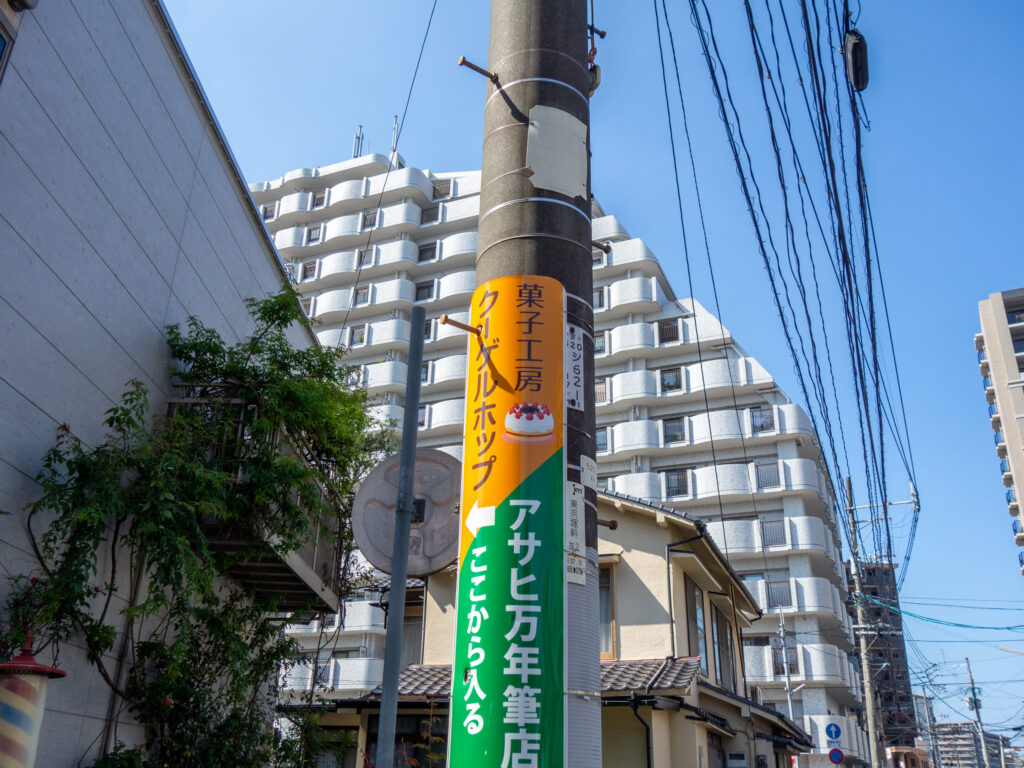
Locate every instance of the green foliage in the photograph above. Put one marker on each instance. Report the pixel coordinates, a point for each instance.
(266, 442)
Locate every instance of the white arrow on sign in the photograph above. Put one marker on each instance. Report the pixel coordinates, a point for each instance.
(478, 517)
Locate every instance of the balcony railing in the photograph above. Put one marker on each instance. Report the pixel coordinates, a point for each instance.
(767, 476)
(1011, 497)
(778, 594)
(1004, 466)
(1020, 559)
(773, 533)
(779, 668)
(998, 437)
(1016, 526)
(986, 381)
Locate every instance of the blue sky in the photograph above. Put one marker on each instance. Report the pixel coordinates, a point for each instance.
(291, 83)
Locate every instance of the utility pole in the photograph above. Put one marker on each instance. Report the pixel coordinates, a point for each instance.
(862, 640)
(785, 663)
(532, 357)
(975, 704)
(932, 740)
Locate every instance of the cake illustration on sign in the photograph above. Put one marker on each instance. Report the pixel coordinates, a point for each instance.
(529, 423)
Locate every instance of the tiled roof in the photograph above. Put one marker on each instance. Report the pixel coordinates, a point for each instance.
(649, 675)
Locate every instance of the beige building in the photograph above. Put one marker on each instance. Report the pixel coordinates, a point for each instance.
(672, 672)
(1000, 348)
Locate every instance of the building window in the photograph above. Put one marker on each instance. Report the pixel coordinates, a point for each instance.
(1018, 346)
(767, 475)
(421, 416)
(442, 188)
(358, 335)
(308, 270)
(790, 656)
(427, 253)
(601, 439)
(369, 220)
(425, 372)
(773, 533)
(671, 380)
(762, 419)
(313, 235)
(604, 590)
(600, 338)
(1014, 316)
(695, 619)
(672, 429)
(366, 257)
(319, 199)
(428, 328)
(604, 482)
(424, 291)
(307, 305)
(598, 258)
(599, 298)
(668, 331)
(778, 593)
(725, 661)
(362, 296)
(675, 481)
(268, 209)
(600, 390)
(430, 215)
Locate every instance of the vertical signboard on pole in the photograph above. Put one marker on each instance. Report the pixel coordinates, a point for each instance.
(508, 669)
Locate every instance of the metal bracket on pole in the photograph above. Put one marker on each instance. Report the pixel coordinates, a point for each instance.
(448, 320)
(464, 62)
(601, 246)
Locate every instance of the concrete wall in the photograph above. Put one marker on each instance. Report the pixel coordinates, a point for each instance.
(120, 213)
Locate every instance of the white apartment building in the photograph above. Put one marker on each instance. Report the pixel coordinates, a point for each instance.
(670, 378)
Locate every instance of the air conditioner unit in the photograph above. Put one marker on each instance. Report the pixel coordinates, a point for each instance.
(736, 760)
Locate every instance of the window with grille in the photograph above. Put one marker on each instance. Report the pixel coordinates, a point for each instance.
(756, 641)
(358, 335)
(668, 331)
(319, 199)
(369, 219)
(430, 215)
(762, 419)
(427, 253)
(773, 533)
(599, 342)
(362, 295)
(672, 429)
(268, 211)
(675, 481)
(428, 328)
(598, 258)
(424, 291)
(421, 416)
(366, 257)
(309, 270)
(599, 298)
(671, 379)
(442, 188)
(791, 662)
(313, 235)
(600, 390)
(604, 482)
(767, 476)
(425, 373)
(601, 439)
(778, 593)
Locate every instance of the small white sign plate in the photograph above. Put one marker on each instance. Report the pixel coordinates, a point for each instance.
(573, 367)
(588, 472)
(575, 569)
(575, 535)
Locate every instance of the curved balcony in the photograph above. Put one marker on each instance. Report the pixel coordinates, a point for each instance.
(634, 386)
(720, 425)
(747, 536)
(632, 336)
(446, 416)
(340, 264)
(608, 228)
(456, 288)
(714, 374)
(704, 328)
(446, 369)
(632, 295)
(642, 485)
(389, 376)
(290, 205)
(449, 334)
(387, 332)
(722, 480)
(357, 167)
(401, 182)
(629, 255)
(459, 244)
(634, 437)
(387, 415)
(801, 595)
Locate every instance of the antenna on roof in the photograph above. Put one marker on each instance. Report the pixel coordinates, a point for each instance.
(394, 136)
(357, 143)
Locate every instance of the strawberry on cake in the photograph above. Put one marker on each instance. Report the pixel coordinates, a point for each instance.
(529, 423)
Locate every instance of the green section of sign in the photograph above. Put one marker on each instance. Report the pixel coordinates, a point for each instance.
(508, 687)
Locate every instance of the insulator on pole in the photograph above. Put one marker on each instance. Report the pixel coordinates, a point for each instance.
(855, 49)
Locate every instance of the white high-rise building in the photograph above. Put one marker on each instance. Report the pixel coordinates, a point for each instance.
(365, 244)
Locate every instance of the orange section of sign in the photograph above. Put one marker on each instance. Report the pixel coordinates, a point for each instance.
(515, 392)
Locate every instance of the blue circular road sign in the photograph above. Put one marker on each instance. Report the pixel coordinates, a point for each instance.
(833, 731)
